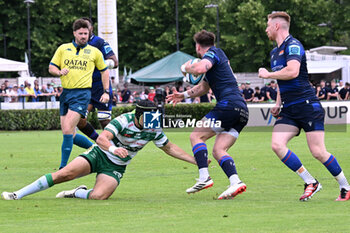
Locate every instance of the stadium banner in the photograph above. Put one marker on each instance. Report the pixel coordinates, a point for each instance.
(30, 105)
(336, 113)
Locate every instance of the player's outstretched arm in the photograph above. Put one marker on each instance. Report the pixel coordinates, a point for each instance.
(176, 152)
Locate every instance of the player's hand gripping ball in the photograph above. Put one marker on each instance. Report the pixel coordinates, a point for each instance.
(194, 79)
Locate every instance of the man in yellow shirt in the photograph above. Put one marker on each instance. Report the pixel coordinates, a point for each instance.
(74, 63)
(30, 92)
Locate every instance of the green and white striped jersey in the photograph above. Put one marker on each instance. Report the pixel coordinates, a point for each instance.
(128, 136)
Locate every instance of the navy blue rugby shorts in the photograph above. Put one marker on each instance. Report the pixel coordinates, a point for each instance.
(76, 100)
(235, 117)
(96, 93)
(308, 115)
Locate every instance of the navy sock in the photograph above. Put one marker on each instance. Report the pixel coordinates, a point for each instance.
(201, 155)
(333, 166)
(66, 148)
(292, 161)
(228, 165)
(89, 131)
(82, 141)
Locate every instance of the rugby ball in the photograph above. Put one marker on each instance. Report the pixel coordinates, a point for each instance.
(194, 79)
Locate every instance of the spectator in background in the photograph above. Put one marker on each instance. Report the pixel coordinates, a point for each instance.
(6, 83)
(271, 92)
(119, 96)
(21, 93)
(258, 97)
(241, 88)
(114, 97)
(320, 93)
(14, 94)
(51, 91)
(37, 92)
(125, 94)
(264, 89)
(113, 76)
(344, 92)
(26, 83)
(248, 92)
(31, 93)
(7, 96)
(144, 94)
(3, 92)
(324, 88)
(333, 91)
(340, 85)
(137, 97)
(44, 94)
(151, 94)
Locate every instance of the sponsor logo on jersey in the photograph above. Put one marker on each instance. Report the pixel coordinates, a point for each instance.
(281, 53)
(108, 49)
(87, 51)
(76, 64)
(294, 50)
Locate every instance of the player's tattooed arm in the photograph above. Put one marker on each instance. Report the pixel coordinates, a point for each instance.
(199, 90)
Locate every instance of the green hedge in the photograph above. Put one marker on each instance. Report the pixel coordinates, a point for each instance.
(49, 119)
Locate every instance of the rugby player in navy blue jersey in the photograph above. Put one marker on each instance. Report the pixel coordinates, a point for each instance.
(104, 111)
(297, 107)
(231, 110)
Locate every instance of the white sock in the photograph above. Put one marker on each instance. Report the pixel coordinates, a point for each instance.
(305, 175)
(234, 179)
(343, 182)
(203, 174)
(38, 185)
(82, 193)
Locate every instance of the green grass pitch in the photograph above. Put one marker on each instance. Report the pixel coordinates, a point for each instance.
(152, 197)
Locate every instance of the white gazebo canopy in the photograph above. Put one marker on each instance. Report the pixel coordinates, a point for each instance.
(7, 65)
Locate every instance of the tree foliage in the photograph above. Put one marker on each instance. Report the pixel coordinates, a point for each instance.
(147, 29)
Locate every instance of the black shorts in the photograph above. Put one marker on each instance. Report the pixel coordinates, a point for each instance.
(308, 115)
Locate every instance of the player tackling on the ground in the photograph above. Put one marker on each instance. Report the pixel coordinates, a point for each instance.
(230, 109)
(300, 108)
(122, 138)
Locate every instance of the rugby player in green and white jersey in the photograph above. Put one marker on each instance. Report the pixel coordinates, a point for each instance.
(122, 138)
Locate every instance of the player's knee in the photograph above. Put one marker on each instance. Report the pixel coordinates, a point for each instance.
(319, 154)
(197, 137)
(193, 136)
(277, 147)
(218, 153)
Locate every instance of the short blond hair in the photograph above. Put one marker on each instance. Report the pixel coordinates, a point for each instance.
(280, 14)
